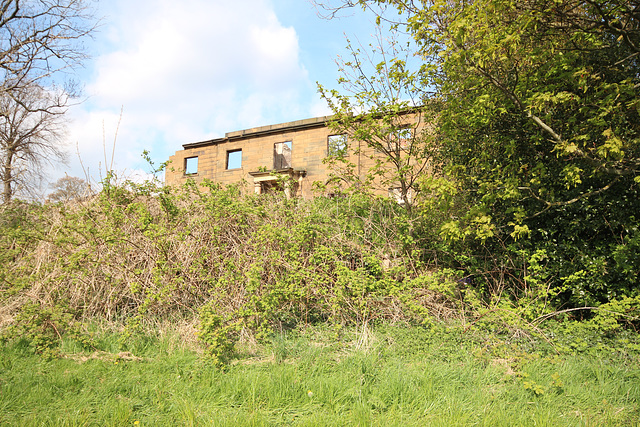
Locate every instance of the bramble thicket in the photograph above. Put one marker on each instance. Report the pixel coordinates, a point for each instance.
(523, 207)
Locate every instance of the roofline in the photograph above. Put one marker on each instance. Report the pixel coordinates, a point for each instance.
(312, 123)
(263, 131)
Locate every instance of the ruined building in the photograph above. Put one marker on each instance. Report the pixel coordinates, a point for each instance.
(260, 157)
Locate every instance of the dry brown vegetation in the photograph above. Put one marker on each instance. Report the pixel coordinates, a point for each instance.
(134, 254)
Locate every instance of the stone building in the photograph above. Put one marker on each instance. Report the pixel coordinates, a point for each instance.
(260, 157)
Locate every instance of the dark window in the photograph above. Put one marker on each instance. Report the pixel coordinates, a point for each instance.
(191, 166)
(234, 159)
(282, 155)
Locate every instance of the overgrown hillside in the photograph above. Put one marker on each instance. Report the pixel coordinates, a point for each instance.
(248, 266)
(236, 263)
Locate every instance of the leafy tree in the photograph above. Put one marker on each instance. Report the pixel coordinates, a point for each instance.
(382, 116)
(539, 130)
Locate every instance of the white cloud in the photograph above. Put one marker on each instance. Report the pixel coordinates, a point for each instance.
(186, 71)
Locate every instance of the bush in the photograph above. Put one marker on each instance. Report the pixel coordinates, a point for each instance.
(254, 263)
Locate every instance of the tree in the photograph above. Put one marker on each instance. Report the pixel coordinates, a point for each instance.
(40, 40)
(541, 61)
(542, 127)
(539, 130)
(69, 188)
(31, 131)
(382, 114)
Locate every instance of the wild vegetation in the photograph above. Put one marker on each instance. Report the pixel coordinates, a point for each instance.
(238, 263)
(528, 210)
(391, 375)
(250, 266)
(509, 274)
(309, 312)
(151, 305)
(536, 122)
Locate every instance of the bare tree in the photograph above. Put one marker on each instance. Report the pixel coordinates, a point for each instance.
(31, 130)
(69, 188)
(40, 38)
(40, 42)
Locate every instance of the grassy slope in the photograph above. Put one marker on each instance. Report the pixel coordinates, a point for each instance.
(264, 264)
(389, 376)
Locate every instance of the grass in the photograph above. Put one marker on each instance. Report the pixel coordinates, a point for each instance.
(386, 376)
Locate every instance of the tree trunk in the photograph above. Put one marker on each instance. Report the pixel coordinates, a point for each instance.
(7, 177)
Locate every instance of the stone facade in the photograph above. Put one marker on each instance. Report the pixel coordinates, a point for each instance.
(295, 150)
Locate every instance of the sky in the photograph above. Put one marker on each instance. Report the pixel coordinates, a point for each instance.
(163, 73)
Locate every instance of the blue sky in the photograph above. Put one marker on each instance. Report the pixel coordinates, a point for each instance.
(192, 70)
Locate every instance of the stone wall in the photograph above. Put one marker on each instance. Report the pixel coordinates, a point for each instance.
(309, 146)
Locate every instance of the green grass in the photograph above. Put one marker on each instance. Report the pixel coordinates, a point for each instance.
(390, 376)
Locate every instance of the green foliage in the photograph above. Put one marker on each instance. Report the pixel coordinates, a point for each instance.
(538, 118)
(240, 264)
(382, 123)
(261, 265)
(219, 338)
(612, 315)
(382, 375)
(43, 328)
(538, 130)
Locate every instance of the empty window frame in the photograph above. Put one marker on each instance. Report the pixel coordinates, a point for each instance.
(282, 155)
(400, 139)
(191, 165)
(336, 145)
(234, 159)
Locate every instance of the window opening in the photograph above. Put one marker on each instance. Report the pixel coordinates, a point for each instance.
(282, 155)
(234, 159)
(400, 139)
(336, 145)
(191, 166)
